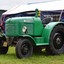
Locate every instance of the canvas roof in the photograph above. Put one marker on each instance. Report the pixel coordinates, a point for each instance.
(49, 6)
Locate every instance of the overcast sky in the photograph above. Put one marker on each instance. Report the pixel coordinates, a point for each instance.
(8, 4)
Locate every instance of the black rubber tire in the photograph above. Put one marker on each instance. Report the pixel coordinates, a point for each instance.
(3, 50)
(20, 48)
(56, 47)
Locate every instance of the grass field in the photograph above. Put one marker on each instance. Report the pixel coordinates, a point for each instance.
(10, 58)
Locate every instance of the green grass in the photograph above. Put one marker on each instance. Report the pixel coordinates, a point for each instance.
(10, 58)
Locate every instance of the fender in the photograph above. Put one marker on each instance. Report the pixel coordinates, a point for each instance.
(48, 29)
(30, 37)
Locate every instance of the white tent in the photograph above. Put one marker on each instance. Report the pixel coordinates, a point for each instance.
(49, 6)
(8, 4)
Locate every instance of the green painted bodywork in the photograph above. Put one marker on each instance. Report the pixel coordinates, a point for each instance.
(35, 29)
(48, 29)
(14, 26)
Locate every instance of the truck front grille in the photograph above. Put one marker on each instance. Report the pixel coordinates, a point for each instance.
(11, 29)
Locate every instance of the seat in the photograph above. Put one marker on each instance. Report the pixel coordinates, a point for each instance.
(45, 21)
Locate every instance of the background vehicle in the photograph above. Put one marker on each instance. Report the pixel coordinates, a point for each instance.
(1, 12)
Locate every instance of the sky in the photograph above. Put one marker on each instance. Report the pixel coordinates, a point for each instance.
(8, 4)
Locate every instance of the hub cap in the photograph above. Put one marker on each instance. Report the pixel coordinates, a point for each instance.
(25, 49)
(58, 41)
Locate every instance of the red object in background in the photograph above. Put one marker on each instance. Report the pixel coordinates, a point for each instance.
(2, 22)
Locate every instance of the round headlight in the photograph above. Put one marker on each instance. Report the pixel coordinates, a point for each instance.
(24, 29)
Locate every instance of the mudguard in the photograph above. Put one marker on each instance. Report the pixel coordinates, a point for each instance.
(48, 29)
(30, 37)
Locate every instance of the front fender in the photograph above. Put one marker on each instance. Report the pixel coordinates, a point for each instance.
(30, 37)
(48, 29)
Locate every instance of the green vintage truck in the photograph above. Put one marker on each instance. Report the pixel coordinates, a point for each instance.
(31, 33)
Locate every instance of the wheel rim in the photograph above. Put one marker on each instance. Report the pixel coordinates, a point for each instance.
(25, 49)
(58, 41)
